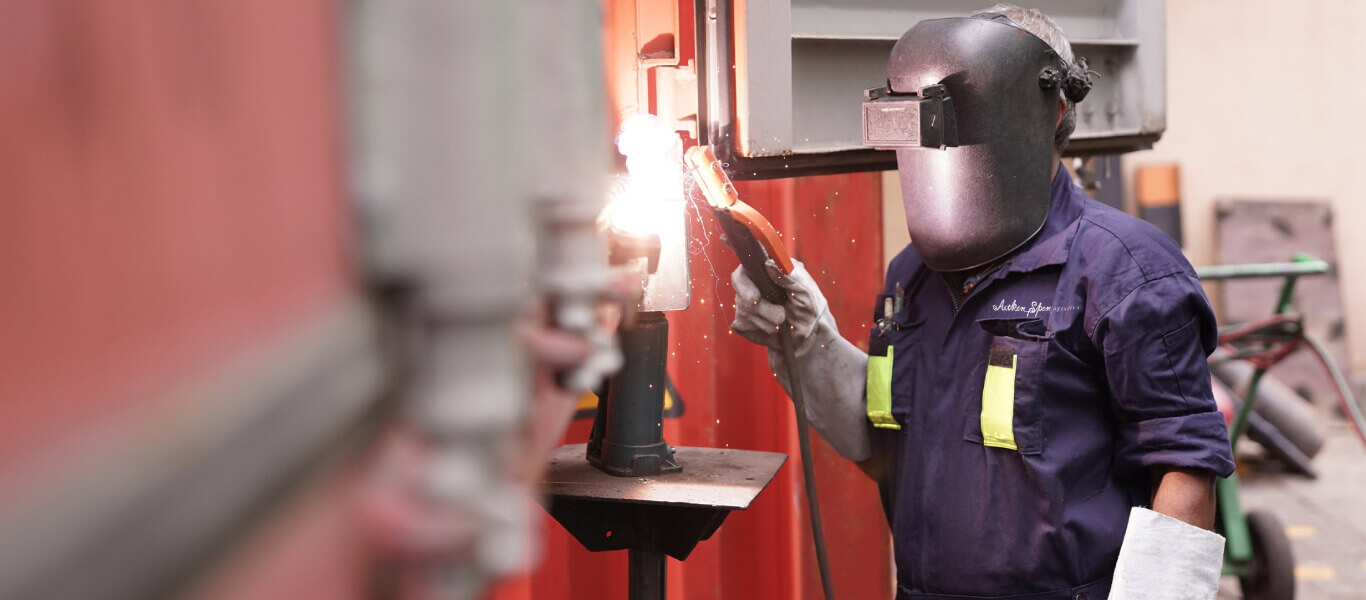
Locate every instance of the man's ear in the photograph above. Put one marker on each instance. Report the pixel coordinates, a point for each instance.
(1062, 108)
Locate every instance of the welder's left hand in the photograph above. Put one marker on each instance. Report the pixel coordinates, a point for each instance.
(757, 320)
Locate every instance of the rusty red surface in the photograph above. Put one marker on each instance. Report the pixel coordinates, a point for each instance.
(171, 197)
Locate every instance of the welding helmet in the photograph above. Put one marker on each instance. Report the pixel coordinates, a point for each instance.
(971, 108)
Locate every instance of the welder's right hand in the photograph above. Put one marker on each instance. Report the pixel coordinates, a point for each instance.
(834, 371)
(758, 320)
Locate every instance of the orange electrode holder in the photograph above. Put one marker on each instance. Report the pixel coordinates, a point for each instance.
(721, 195)
(746, 231)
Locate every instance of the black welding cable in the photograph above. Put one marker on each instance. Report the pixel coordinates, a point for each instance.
(808, 470)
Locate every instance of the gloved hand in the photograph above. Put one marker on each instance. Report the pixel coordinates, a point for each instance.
(834, 371)
(757, 320)
(1166, 558)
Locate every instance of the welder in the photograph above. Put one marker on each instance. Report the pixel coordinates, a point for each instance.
(1035, 403)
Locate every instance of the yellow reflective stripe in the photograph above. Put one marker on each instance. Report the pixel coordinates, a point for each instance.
(998, 406)
(879, 394)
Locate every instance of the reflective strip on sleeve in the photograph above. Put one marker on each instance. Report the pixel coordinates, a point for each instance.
(998, 400)
(879, 394)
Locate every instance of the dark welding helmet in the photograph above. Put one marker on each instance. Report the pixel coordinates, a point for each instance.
(971, 107)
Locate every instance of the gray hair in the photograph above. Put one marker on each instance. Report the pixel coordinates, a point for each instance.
(1044, 28)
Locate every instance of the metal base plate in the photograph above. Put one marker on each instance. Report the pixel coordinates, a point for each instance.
(714, 477)
(667, 513)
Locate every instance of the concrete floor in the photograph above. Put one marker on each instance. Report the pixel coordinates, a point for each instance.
(1325, 518)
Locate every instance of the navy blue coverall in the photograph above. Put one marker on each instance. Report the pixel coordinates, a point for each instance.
(1106, 330)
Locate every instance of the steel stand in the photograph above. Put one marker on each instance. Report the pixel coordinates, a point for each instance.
(658, 515)
(647, 572)
(632, 493)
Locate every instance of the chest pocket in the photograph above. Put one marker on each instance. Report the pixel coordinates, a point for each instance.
(1010, 416)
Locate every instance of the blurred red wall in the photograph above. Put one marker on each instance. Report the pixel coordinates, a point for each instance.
(172, 194)
(171, 184)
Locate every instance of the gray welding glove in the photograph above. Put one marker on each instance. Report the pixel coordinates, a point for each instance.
(1163, 558)
(758, 320)
(833, 371)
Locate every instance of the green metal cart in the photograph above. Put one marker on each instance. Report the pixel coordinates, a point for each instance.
(1257, 550)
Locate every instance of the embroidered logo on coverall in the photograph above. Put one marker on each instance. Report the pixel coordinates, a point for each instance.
(1034, 309)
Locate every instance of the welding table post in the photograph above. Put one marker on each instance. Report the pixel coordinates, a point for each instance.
(634, 492)
(647, 571)
(654, 516)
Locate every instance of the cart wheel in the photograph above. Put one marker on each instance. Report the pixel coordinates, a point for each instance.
(1273, 562)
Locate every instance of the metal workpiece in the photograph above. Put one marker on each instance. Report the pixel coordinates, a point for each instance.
(659, 254)
(669, 287)
(649, 201)
(628, 431)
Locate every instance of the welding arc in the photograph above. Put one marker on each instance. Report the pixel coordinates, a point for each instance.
(808, 469)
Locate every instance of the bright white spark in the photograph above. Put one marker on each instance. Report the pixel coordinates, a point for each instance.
(654, 163)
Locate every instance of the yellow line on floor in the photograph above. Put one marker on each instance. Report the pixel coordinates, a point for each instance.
(1300, 532)
(1315, 573)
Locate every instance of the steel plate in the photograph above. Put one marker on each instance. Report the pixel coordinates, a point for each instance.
(713, 477)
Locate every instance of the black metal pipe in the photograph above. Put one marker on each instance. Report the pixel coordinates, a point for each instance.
(646, 575)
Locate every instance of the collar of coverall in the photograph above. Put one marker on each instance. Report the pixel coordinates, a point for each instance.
(1051, 245)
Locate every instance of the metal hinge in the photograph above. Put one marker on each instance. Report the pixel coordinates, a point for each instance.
(676, 97)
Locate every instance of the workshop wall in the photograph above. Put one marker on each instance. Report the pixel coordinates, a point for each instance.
(1263, 102)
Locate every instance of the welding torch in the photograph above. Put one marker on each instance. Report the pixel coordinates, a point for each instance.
(755, 242)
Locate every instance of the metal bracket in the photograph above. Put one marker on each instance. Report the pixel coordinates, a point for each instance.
(676, 97)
